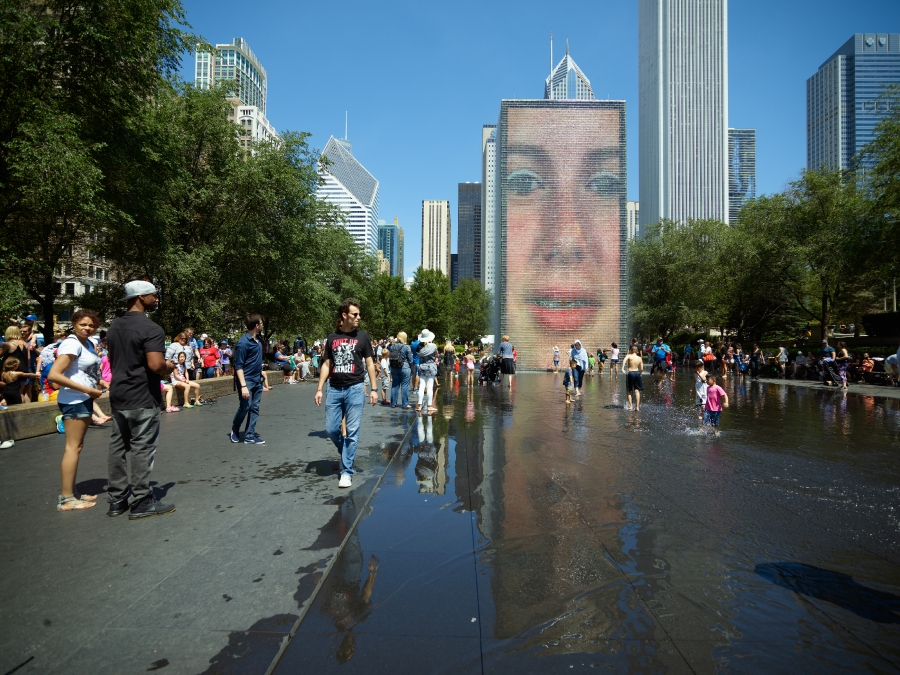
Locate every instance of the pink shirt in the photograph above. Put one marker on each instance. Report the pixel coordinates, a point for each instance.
(714, 396)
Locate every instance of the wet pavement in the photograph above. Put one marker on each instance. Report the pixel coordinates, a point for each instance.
(214, 587)
(514, 534)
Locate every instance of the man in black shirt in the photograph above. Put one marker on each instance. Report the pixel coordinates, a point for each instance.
(348, 355)
(136, 354)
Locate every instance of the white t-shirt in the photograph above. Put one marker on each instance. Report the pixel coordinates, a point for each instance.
(782, 355)
(700, 388)
(385, 365)
(84, 369)
(614, 354)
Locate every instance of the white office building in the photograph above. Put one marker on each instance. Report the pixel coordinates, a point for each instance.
(352, 189)
(436, 228)
(683, 101)
(633, 223)
(490, 234)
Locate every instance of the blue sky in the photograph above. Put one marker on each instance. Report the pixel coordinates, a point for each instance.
(419, 79)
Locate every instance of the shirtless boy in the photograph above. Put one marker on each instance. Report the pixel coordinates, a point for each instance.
(633, 367)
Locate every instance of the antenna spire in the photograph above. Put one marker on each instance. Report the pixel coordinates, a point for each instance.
(567, 46)
(346, 123)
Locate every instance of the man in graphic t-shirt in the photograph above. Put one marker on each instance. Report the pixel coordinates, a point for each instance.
(348, 355)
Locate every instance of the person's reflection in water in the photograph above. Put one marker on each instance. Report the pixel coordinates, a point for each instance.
(350, 605)
(426, 465)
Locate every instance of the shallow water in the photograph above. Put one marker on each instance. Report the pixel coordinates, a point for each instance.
(516, 534)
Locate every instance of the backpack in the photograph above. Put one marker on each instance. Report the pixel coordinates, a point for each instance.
(396, 356)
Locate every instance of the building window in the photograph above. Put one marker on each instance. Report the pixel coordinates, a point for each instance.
(70, 289)
(68, 270)
(90, 271)
(87, 288)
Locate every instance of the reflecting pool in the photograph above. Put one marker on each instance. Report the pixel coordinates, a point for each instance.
(513, 533)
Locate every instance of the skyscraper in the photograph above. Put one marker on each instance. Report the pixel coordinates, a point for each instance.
(566, 81)
(436, 235)
(842, 106)
(236, 62)
(468, 230)
(633, 210)
(352, 189)
(741, 170)
(454, 270)
(683, 100)
(387, 244)
(399, 248)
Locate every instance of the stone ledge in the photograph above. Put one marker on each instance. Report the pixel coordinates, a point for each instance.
(36, 419)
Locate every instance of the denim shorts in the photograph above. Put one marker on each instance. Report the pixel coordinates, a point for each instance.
(711, 417)
(76, 411)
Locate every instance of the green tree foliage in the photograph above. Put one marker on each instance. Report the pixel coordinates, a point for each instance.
(72, 76)
(470, 305)
(430, 304)
(385, 306)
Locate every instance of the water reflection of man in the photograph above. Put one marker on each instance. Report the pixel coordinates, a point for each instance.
(349, 605)
(564, 192)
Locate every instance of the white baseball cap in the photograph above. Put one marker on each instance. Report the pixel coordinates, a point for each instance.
(135, 288)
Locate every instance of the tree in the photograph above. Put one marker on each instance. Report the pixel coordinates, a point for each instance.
(62, 65)
(470, 305)
(385, 306)
(429, 303)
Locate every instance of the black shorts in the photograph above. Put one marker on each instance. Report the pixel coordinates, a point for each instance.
(634, 382)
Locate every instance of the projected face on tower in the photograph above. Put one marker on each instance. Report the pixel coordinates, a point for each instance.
(564, 193)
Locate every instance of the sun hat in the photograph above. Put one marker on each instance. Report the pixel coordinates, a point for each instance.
(136, 288)
(426, 336)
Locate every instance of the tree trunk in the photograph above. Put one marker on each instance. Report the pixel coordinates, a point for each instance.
(47, 302)
(826, 314)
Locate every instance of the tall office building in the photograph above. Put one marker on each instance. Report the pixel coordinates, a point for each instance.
(399, 248)
(842, 106)
(633, 223)
(454, 270)
(566, 81)
(741, 170)
(490, 235)
(236, 62)
(436, 235)
(468, 230)
(387, 244)
(683, 101)
(352, 189)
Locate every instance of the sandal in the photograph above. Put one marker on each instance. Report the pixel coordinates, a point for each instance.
(418, 408)
(72, 503)
(172, 409)
(187, 405)
(86, 498)
(432, 410)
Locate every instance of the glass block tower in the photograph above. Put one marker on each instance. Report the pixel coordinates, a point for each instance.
(388, 242)
(683, 99)
(842, 106)
(741, 170)
(468, 224)
(352, 189)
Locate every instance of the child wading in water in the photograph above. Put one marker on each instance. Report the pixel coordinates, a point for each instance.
(700, 387)
(569, 381)
(716, 400)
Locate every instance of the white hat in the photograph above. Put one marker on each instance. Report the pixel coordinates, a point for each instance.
(135, 288)
(204, 336)
(426, 336)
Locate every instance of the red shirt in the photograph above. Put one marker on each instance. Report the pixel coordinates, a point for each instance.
(210, 355)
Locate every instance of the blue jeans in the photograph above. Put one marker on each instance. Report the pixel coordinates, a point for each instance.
(209, 372)
(400, 378)
(345, 402)
(250, 405)
(579, 376)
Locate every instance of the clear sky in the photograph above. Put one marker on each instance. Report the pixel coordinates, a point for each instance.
(419, 79)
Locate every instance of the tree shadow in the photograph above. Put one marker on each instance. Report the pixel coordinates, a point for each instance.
(319, 434)
(160, 491)
(324, 467)
(834, 587)
(92, 486)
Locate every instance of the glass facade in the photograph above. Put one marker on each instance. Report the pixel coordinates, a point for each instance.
(842, 106)
(235, 62)
(388, 242)
(352, 189)
(566, 81)
(562, 217)
(741, 170)
(454, 270)
(468, 224)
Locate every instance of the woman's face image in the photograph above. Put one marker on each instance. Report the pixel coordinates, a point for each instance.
(564, 191)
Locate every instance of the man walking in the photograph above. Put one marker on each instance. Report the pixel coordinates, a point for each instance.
(633, 367)
(248, 358)
(136, 346)
(348, 356)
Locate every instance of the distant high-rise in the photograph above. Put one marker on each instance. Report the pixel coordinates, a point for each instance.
(566, 81)
(633, 227)
(454, 270)
(352, 189)
(388, 237)
(399, 248)
(436, 235)
(683, 101)
(842, 106)
(490, 234)
(468, 230)
(236, 62)
(741, 170)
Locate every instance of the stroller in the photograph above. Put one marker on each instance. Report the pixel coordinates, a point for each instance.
(490, 369)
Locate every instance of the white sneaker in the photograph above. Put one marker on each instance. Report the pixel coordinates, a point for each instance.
(345, 481)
